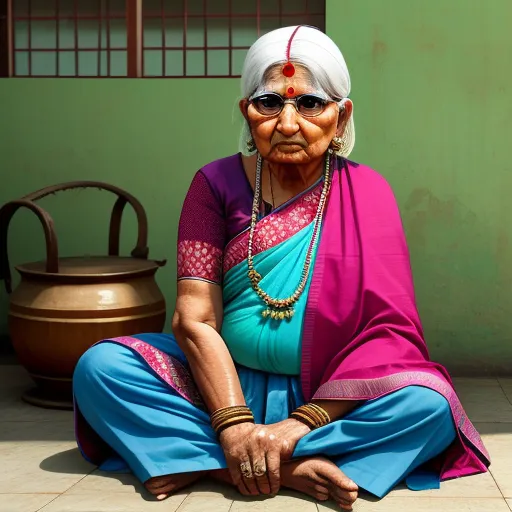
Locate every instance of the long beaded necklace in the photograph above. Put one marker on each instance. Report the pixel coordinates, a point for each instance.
(280, 309)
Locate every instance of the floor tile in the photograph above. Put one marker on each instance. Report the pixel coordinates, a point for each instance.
(106, 482)
(39, 457)
(425, 504)
(484, 400)
(12, 376)
(476, 486)
(117, 502)
(212, 488)
(497, 438)
(509, 503)
(205, 503)
(284, 502)
(24, 502)
(506, 384)
(14, 381)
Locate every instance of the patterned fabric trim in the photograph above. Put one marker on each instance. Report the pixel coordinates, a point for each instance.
(168, 368)
(274, 228)
(200, 260)
(375, 388)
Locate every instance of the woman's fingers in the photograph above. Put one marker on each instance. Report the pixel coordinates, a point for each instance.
(274, 471)
(248, 476)
(260, 473)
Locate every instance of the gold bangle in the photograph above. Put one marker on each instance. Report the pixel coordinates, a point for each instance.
(234, 421)
(322, 411)
(226, 410)
(296, 415)
(311, 415)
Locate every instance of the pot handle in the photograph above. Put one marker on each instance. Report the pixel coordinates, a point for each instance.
(52, 253)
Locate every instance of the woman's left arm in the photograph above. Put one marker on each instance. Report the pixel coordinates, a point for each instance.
(336, 409)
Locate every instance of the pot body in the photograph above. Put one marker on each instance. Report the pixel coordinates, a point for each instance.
(54, 319)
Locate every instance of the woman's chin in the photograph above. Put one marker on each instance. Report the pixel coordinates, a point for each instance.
(288, 154)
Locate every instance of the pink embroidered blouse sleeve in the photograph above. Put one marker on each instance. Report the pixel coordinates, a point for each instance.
(201, 233)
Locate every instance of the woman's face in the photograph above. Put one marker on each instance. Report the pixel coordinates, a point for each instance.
(289, 137)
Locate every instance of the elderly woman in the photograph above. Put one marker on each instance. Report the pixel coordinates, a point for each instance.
(297, 357)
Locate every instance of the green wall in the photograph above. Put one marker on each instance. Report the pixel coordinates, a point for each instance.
(432, 92)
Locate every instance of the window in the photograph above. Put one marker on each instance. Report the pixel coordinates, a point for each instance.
(140, 38)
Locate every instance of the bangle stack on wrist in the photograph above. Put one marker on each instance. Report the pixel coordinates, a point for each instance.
(311, 415)
(229, 416)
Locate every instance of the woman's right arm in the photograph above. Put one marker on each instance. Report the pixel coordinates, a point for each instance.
(196, 325)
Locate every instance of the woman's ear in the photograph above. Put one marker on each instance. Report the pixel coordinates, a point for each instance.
(244, 105)
(343, 118)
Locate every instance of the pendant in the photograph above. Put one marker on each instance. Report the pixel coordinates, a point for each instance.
(275, 314)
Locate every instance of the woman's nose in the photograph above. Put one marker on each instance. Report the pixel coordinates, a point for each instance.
(288, 120)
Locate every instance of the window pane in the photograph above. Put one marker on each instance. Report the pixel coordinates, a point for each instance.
(195, 32)
(152, 32)
(174, 32)
(66, 63)
(118, 63)
(43, 34)
(66, 34)
(218, 7)
(41, 8)
(218, 32)
(173, 63)
(218, 62)
(245, 32)
(20, 34)
(238, 57)
(195, 63)
(20, 8)
(88, 32)
(87, 64)
(21, 63)
(44, 64)
(153, 63)
(244, 7)
(118, 33)
(269, 7)
(67, 8)
(196, 6)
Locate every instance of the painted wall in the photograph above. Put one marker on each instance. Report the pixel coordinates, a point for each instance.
(432, 91)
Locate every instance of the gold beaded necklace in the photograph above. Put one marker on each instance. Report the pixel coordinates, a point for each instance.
(279, 309)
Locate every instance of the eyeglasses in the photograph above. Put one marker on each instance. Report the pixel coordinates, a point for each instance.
(307, 105)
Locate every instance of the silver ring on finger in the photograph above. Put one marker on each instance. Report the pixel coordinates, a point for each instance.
(260, 468)
(245, 469)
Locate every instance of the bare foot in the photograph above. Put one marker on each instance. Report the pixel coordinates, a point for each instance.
(163, 486)
(321, 479)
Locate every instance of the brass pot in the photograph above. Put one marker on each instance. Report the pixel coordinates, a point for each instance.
(62, 306)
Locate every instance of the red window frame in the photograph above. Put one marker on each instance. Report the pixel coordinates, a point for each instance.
(135, 46)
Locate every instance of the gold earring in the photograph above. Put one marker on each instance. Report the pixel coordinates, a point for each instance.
(251, 145)
(337, 144)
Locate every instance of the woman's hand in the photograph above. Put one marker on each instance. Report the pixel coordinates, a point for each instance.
(254, 453)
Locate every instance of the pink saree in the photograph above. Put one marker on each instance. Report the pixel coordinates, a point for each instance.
(362, 334)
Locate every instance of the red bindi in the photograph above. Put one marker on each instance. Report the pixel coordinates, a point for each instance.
(290, 91)
(288, 70)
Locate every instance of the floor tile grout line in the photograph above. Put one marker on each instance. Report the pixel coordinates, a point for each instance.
(181, 504)
(497, 485)
(504, 392)
(49, 503)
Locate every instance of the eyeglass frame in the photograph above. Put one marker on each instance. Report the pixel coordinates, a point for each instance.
(292, 101)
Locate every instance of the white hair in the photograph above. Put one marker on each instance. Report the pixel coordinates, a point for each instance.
(310, 48)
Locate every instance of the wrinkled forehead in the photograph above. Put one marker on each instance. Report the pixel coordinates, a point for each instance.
(303, 79)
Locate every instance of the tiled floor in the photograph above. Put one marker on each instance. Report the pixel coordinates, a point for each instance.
(41, 469)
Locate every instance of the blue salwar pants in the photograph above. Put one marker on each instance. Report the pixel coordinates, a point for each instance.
(155, 431)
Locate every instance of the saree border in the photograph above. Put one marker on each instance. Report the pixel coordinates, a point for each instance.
(369, 389)
(275, 228)
(168, 368)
